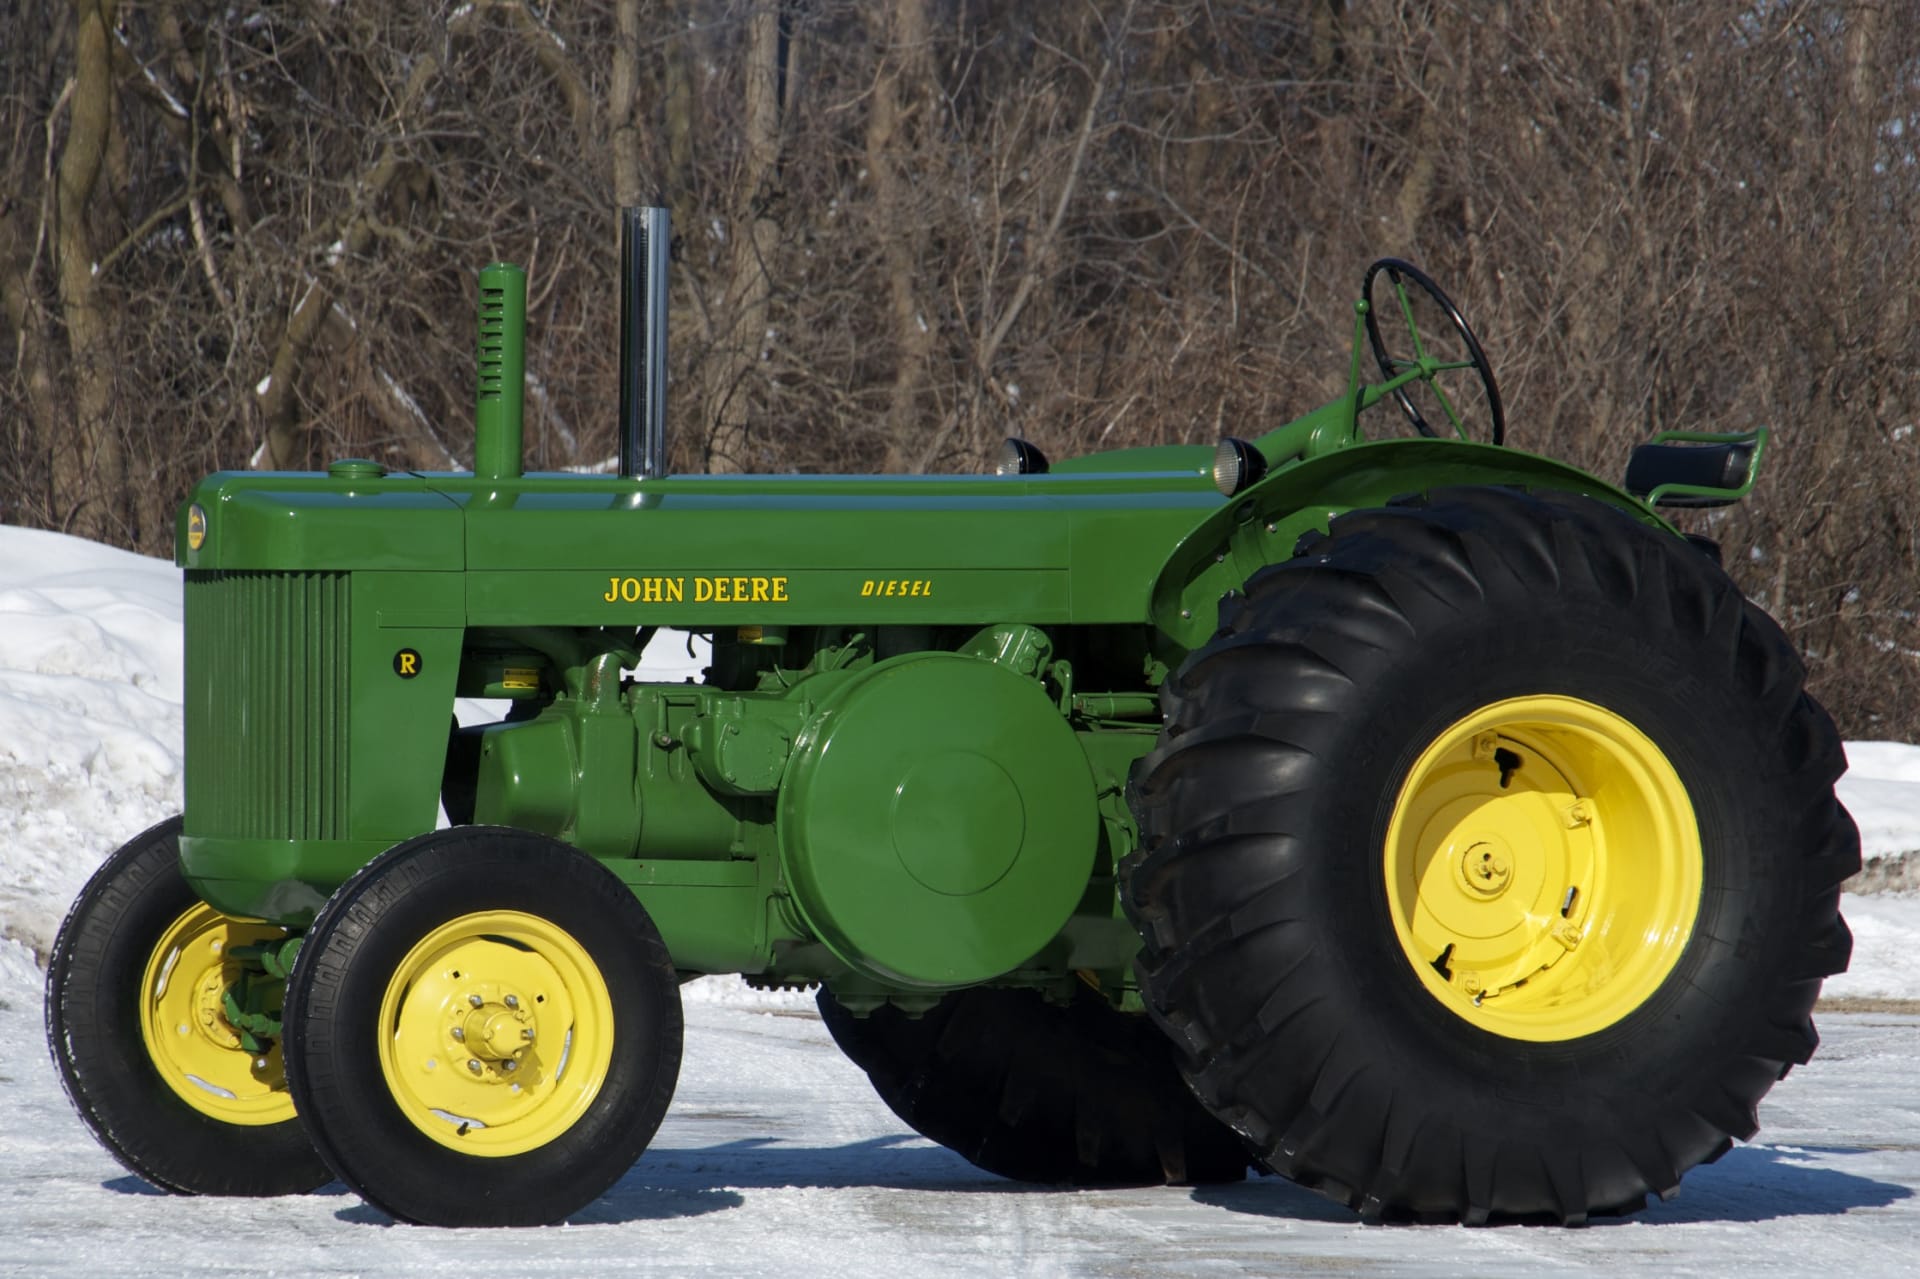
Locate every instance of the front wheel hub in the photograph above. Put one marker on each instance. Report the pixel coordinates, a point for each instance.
(501, 1033)
(497, 1028)
(193, 1046)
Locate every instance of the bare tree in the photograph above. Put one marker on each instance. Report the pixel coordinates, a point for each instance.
(754, 235)
(240, 235)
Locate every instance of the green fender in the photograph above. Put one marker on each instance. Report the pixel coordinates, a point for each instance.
(1263, 523)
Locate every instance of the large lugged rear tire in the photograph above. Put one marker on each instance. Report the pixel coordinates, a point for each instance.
(1491, 861)
(1079, 1095)
(137, 1028)
(483, 1029)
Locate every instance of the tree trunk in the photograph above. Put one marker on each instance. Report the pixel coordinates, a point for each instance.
(743, 321)
(22, 329)
(892, 147)
(88, 470)
(622, 112)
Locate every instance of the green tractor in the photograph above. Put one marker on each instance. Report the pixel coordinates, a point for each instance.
(1423, 820)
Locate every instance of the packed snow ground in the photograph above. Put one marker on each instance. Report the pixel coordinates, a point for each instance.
(776, 1158)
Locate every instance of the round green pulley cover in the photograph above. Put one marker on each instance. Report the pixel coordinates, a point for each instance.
(937, 822)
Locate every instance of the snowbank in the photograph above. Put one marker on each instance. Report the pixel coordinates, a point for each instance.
(90, 720)
(1882, 791)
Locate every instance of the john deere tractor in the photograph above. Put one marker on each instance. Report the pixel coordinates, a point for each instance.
(1424, 820)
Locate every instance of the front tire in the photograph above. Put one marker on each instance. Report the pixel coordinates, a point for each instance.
(484, 1029)
(1491, 861)
(136, 1023)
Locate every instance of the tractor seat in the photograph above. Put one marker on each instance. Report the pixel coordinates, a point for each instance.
(1692, 469)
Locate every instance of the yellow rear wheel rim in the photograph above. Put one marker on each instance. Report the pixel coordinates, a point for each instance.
(1543, 868)
(184, 1026)
(496, 1033)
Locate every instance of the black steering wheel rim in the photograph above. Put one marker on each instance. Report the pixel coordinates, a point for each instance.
(1398, 269)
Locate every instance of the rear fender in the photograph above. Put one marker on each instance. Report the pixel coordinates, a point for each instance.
(1262, 524)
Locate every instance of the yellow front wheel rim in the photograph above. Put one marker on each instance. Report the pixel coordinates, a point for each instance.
(496, 1033)
(1543, 868)
(184, 1026)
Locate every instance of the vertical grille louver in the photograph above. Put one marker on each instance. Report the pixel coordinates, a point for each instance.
(267, 705)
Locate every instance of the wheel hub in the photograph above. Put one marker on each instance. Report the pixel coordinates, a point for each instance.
(1543, 867)
(492, 1026)
(1490, 917)
(209, 1007)
(184, 1026)
(1486, 868)
(502, 1032)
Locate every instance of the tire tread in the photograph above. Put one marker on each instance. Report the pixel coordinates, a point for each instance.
(1219, 879)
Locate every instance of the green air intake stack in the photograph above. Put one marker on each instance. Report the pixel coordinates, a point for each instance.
(503, 372)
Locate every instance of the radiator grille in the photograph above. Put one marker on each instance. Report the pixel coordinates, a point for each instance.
(266, 714)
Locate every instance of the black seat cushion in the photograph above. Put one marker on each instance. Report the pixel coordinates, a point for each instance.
(1720, 466)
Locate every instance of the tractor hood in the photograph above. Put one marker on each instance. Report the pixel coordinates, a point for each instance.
(1080, 546)
(352, 517)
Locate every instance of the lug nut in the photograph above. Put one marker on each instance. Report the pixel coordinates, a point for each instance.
(527, 1034)
(460, 1034)
(513, 1001)
(509, 1064)
(473, 1064)
(473, 1001)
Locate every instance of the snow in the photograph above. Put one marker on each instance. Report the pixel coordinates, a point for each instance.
(1886, 948)
(776, 1158)
(90, 720)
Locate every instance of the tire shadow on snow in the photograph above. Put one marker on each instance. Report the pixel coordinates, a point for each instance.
(1764, 1183)
(131, 1185)
(673, 1182)
(647, 1203)
(896, 1161)
(1272, 1196)
(1749, 1184)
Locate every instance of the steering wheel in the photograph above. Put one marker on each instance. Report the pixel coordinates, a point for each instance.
(1398, 273)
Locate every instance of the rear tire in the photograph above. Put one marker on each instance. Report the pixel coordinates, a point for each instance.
(132, 953)
(1316, 783)
(1083, 1095)
(483, 1029)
